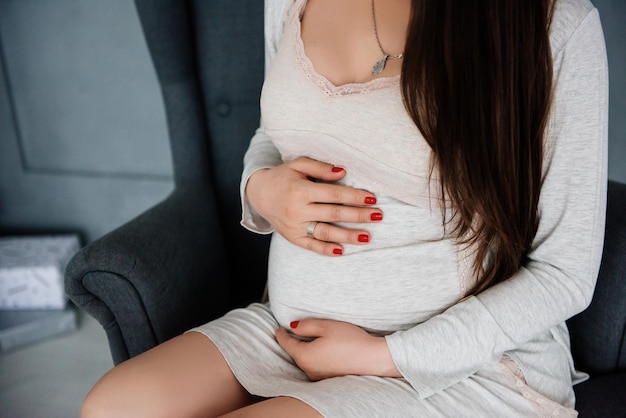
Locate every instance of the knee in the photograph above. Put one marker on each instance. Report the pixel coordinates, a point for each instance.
(94, 405)
(130, 392)
(107, 399)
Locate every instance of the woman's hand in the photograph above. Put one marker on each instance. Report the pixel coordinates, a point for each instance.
(338, 349)
(290, 199)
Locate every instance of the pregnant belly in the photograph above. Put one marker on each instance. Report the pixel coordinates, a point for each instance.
(382, 288)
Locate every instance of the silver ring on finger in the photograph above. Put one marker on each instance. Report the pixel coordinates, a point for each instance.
(310, 229)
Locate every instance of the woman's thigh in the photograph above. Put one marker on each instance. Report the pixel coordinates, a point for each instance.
(186, 376)
(281, 407)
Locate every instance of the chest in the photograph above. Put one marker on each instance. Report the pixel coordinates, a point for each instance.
(344, 39)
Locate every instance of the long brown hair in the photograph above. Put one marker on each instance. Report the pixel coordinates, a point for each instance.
(477, 81)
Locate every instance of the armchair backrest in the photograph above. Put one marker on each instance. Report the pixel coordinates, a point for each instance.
(599, 333)
(209, 59)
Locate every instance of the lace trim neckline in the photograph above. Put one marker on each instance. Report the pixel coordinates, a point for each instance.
(323, 83)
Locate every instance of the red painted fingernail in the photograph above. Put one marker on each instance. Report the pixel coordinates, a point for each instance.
(364, 238)
(337, 169)
(294, 324)
(370, 200)
(338, 251)
(376, 216)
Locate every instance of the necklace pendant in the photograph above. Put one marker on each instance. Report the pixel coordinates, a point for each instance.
(380, 65)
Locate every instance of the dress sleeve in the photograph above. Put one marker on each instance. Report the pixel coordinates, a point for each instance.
(261, 152)
(559, 277)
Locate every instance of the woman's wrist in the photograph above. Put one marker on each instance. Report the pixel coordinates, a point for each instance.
(251, 186)
(383, 361)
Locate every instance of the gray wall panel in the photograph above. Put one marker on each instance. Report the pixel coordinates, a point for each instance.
(613, 15)
(83, 139)
(83, 88)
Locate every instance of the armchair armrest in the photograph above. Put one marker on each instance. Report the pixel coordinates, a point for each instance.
(156, 276)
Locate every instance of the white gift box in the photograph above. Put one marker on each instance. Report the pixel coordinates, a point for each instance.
(32, 271)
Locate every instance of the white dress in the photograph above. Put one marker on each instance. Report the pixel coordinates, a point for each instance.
(504, 352)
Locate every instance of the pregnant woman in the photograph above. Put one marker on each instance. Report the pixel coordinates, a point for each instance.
(434, 176)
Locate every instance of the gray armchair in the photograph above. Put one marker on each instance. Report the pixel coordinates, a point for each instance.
(187, 260)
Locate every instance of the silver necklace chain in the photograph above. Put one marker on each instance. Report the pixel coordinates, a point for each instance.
(380, 65)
